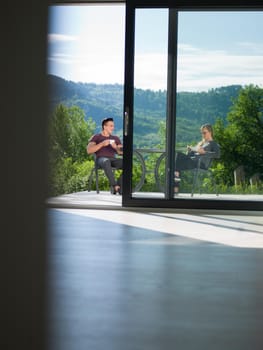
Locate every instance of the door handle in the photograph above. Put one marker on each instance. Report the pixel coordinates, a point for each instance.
(126, 121)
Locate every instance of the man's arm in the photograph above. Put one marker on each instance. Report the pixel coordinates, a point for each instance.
(119, 149)
(117, 145)
(92, 147)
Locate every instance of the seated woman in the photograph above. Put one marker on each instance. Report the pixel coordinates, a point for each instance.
(205, 149)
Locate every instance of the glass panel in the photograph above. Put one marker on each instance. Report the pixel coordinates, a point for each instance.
(150, 84)
(85, 76)
(219, 82)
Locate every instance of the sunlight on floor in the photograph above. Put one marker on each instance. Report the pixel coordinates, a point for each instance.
(235, 231)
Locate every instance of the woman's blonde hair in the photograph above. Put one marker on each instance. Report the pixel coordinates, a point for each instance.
(208, 127)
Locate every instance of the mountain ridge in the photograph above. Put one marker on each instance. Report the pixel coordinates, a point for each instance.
(106, 100)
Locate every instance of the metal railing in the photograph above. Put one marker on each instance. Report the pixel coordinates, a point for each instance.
(140, 154)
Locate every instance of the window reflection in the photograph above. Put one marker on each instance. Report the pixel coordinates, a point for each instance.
(220, 55)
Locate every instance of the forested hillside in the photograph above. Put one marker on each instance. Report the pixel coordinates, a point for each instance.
(235, 112)
(100, 101)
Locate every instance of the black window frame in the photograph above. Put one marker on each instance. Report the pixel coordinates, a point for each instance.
(169, 201)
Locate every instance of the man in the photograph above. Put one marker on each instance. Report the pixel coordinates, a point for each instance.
(106, 146)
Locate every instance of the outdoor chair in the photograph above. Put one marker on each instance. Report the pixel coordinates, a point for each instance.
(199, 172)
(95, 171)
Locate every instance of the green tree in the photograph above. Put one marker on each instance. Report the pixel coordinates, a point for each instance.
(69, 133)
(241, 140)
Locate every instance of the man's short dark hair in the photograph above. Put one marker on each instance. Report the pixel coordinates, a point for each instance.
(106, 120)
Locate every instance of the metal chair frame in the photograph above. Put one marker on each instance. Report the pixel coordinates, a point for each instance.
(198, 171)
(95, 170)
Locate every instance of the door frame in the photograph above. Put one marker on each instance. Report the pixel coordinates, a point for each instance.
(168, 201)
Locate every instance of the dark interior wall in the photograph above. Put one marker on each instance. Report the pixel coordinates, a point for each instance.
(23, 130)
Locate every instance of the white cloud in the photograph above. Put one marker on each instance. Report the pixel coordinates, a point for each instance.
(150, 71)
(95, 55)
(251, 47)
(197, 69)
(88, 67)
(99, 69)
(205, 69)
(56, 38)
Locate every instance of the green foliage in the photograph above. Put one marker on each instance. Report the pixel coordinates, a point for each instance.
(235, 112)
(59, 174)
(100, 101)
(103, 181)
(78, 181)
(241, 139)
(69, 133)
(69, 177)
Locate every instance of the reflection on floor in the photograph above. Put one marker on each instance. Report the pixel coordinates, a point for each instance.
(149, 281)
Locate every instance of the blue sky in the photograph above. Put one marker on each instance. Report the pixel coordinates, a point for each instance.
(86, 43)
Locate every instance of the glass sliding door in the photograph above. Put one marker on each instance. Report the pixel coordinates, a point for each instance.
(149, 104)
(192, 79)
(219, 83)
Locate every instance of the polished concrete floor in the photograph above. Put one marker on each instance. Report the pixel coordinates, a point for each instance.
(121, 280)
